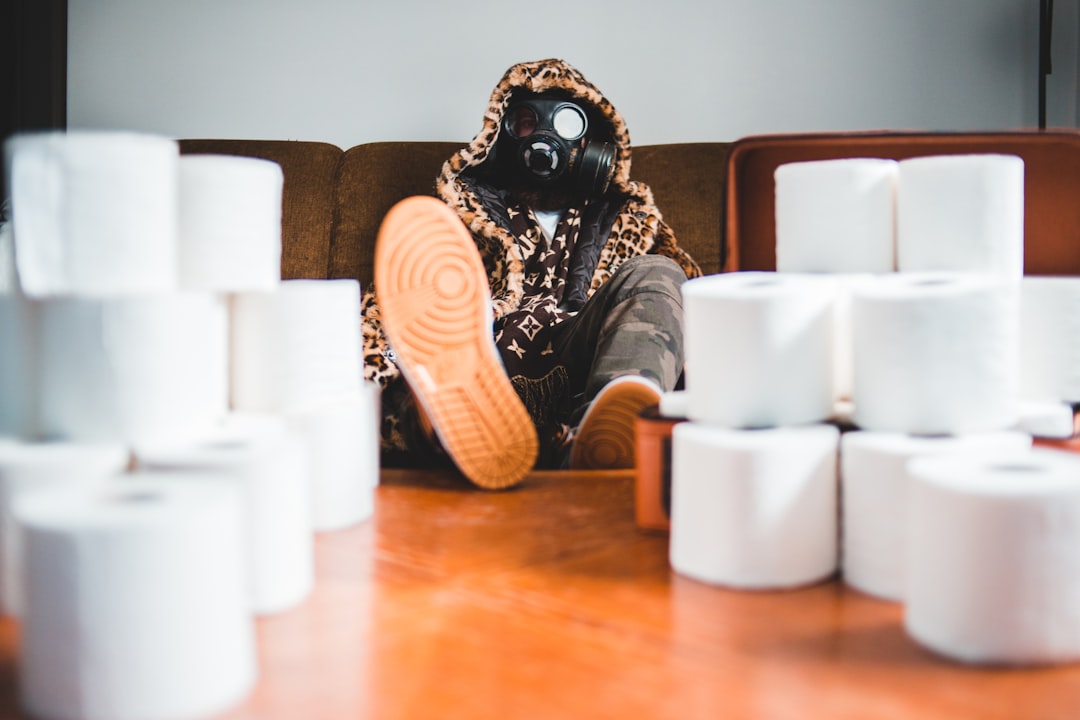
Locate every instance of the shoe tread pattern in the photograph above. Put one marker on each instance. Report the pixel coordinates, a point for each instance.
(607, 439)
(432, 291)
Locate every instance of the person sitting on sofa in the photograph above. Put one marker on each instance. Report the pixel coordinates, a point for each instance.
(525, 316)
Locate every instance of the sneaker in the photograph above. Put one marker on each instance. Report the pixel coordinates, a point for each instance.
(435, 303)
(606, 438)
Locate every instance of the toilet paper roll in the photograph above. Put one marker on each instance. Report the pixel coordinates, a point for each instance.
(759, 348)
(136, 607)
(836, 216)
(141, 369)
(1047, 420)
(1050, 338)
(32, 467)
(961, 212)
(935, 353)
(993, 552)
(754, 508)
(230, 223)
(297, 347)
(18, 365)
(270, 466)
(342, 440)
(94, 212)
(874, 490)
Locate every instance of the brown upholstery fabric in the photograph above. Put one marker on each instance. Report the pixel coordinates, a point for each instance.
(717, 197)
(310, 170)
(1051, 180)
(687, 181)
(373, 178)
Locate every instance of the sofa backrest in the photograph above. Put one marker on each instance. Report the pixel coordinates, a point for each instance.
(718, 197)
(687, 181)
(372, 178)
(334, 200)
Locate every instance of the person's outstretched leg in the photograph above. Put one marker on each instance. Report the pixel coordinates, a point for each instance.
(632, 326)
(433, 296)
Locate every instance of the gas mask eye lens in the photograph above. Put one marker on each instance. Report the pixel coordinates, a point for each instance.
(569, 122)
(522, 121)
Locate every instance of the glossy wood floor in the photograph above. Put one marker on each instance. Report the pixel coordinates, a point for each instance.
(547, 602)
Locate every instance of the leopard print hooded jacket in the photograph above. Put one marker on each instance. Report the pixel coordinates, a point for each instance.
(625, 224)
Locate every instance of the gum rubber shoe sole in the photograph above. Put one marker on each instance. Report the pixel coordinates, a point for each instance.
(606, 438)
(432, 292)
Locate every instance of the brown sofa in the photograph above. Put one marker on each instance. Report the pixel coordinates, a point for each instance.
(334, 200)
(717, 196)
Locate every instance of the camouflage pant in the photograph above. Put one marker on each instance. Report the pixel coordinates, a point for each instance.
(632, 325)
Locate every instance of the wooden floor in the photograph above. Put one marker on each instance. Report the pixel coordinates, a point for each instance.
(547, 602)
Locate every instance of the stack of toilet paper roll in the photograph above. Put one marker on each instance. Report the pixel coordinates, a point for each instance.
(754, 469)
(163, 391)
(856, 218)
(899, 295)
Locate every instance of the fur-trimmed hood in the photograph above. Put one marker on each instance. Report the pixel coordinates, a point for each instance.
(535, 78)
(637, 227)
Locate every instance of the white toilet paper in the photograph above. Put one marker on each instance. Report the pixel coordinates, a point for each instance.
(993, 571)
(270, 466)
(141, 369)
(759, 348)
(18, 365)
(342, 440)
(94, 212)
(297, 347)
(33, 467)
(1048, 420)
(935, 353)
(836, 216)
(136, 607)
(754, 508)
(961, 212)
(874, 489)
(1050, 338)
(230, 223)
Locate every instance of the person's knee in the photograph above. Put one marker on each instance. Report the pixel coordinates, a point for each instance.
(651, 273)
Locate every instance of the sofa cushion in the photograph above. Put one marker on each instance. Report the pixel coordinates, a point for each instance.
(310, 170)
(373, 177)
(687, 181)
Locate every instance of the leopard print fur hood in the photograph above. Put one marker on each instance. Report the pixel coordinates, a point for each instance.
(627, 224)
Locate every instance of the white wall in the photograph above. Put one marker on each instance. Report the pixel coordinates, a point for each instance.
(348, 72)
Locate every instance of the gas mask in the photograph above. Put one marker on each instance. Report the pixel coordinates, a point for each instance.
(543, 146)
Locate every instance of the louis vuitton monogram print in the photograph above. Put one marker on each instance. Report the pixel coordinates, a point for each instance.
(519, 334)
